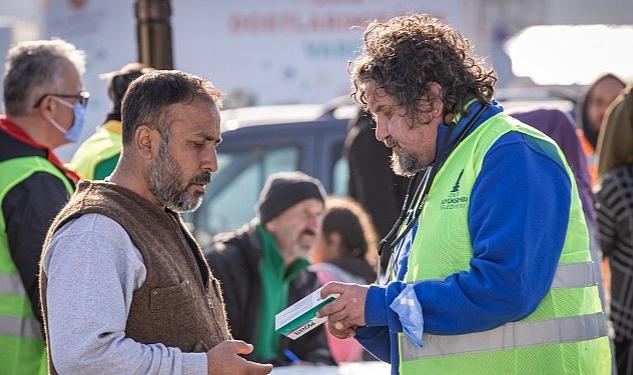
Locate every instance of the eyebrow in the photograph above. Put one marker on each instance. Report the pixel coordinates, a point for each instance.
(381, 108)
(208, 137)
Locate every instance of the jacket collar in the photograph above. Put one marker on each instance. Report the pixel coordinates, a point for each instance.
(461, 122)
(16, 132)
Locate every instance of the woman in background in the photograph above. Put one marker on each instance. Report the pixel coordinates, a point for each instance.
(615, 220)
(599, 95)
(346, 252)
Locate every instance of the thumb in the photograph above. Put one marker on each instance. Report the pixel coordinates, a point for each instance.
(332, 287)
(239, 346)
(259, 368)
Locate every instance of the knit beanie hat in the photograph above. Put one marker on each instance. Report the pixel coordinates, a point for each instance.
(285, 189)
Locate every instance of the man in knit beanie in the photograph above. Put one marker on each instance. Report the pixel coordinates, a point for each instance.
(263, 268)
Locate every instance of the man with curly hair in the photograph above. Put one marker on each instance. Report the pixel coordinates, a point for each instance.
(491, 271)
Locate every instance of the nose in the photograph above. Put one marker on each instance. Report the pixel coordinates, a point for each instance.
(381, 131)
(210, 160)
(314, 223)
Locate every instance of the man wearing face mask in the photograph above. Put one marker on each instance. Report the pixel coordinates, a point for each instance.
(44, 105)
(263, 268)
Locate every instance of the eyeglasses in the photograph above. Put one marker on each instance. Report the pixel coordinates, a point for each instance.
(83, 97)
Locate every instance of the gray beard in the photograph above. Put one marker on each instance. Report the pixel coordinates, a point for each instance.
(299, 251)
(404, 164)
(165, 184)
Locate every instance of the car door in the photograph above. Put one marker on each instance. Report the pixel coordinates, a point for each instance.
(247, 156)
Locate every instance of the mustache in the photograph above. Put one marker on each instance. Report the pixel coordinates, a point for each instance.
(202, 179)
(389, 142)
(309, 232)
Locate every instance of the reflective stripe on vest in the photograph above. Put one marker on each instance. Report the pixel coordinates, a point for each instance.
(571, 275)
(574, 275)
(510, 336)
(29, 328)
(566, 333)
(22, 350)
(11, 285)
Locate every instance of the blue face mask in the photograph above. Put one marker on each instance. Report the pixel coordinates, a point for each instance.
(72, 134)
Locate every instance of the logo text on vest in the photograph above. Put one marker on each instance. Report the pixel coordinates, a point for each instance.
(454, 200)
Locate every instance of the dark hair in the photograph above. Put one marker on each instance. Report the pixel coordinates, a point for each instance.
(283, 190)
(347, 218)
(405, 55)
(590, 134)
(148, 98)
(119, 81)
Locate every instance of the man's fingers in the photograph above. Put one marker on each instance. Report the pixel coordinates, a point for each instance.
(332, 307)
(344, 324)
(338, 316)
(333, 287)
(254, 368)
(341, 333)
(239, 346)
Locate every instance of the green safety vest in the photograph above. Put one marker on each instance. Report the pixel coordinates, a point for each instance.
(566, 334)
(22, 347)
(102, 146)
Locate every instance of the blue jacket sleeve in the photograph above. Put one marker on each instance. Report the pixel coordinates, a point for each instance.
(376, 341)
(518, 219)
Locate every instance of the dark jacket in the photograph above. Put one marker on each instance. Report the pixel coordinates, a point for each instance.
(371, 180)
(28, 209)
(234, 259)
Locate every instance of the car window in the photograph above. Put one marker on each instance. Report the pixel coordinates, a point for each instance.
(340, 168)
(340, 177)
(234, 192)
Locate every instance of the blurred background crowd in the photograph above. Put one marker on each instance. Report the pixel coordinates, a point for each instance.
(563, 66)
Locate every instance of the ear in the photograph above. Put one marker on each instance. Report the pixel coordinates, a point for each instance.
(147, 141)
(435, 95)
(276, 229)
(47, 106)
(270, 226)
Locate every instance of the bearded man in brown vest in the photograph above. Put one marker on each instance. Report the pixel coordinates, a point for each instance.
(125, 288)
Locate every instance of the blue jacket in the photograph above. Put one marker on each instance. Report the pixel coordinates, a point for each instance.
(519, 209)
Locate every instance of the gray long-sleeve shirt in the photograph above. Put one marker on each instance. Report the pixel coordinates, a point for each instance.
(93, 269)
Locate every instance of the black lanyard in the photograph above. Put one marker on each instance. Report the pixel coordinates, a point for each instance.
(418, 191)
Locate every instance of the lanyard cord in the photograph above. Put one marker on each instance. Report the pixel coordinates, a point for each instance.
(413, 189)
(422, 190)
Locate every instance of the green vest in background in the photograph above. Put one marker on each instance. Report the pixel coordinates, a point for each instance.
(566, 334)
(97, 156)
(21, 343)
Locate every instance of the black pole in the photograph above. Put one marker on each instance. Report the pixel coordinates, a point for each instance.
(153, 30)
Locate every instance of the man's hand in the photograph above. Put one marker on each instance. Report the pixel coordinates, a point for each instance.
(347, 311)
(341, 333)
(225, 358)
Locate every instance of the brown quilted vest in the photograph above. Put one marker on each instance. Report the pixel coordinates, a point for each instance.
(180, 304)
